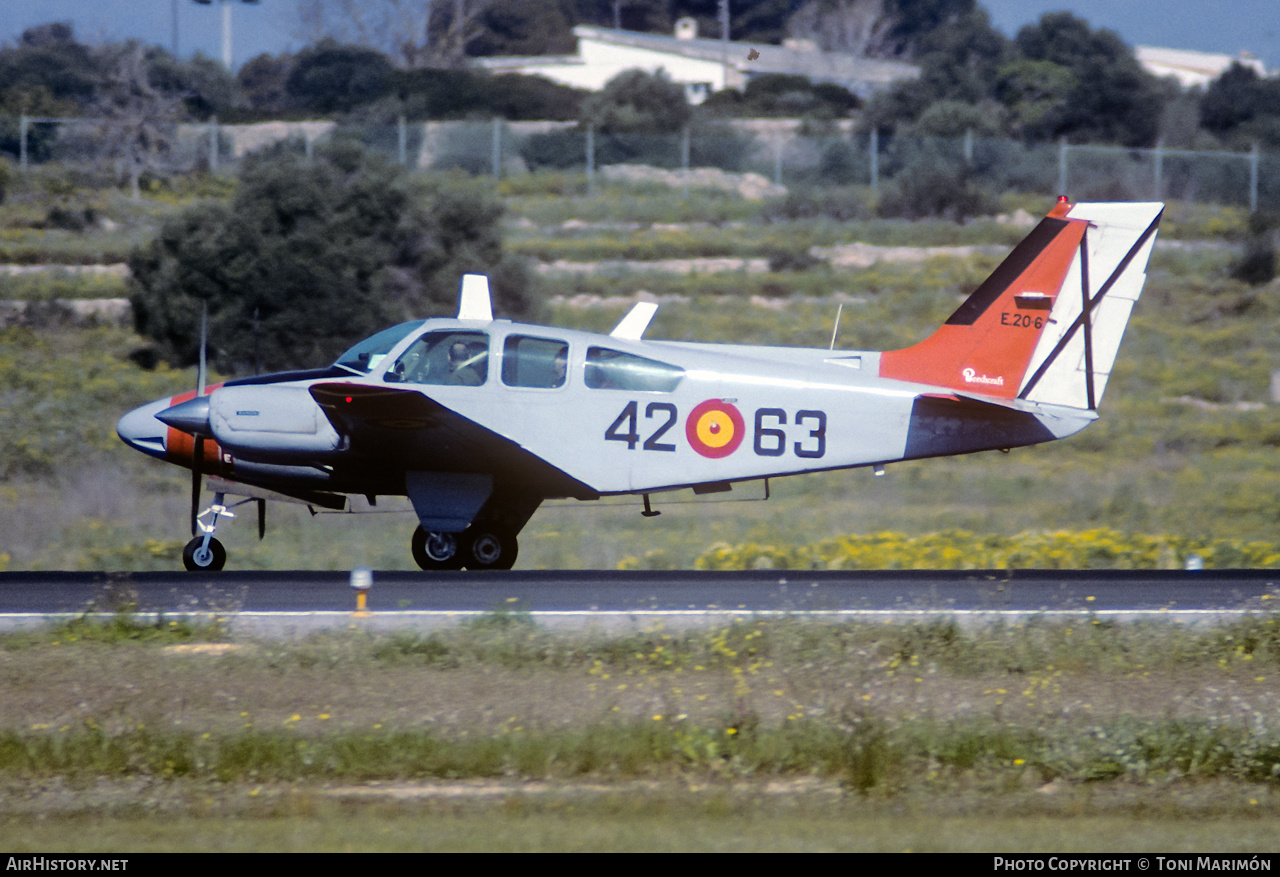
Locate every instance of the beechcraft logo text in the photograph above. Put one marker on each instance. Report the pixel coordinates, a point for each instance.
(972, 377)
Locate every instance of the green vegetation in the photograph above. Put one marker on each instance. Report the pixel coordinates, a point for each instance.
(1092, 549)
(801, 723)
(311, 253)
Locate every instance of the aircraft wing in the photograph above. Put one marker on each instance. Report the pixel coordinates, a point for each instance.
(406, 429)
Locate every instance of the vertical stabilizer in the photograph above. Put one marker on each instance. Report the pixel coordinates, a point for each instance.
(986, 346)
(1046, 326)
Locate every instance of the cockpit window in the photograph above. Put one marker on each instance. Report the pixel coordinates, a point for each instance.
(534, 362)
(445, 357)
(365, 356)
(614, 370)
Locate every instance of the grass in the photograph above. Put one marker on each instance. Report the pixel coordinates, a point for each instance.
(716, 818)
(505, 736)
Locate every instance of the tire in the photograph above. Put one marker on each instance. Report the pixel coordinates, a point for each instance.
(436, 551)
(489, 549)
(197, 560)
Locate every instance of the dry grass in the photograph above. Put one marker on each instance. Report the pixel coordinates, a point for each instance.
(930, 726)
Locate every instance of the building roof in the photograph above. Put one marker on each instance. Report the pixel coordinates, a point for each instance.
(859, 75)
(1192, 68)
(862, 76)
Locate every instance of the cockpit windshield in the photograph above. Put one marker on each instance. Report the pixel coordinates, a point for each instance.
(365, 356)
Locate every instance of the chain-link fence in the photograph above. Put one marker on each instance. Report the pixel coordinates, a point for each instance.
(783, 153)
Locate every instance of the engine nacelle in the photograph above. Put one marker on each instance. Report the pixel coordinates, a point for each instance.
(271, 422)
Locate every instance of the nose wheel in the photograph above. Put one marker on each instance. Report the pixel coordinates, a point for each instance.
(204, 554)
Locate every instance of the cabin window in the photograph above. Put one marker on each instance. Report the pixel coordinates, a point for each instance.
(614, 370)
(457, 358)
(534, 362)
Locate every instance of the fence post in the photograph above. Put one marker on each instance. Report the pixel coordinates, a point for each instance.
(1062, 166)
(213, 144)
(684, 161)
(497, 147)
(1159, 169)
(1253, 179)
(968, 146)
(402, 141)
(591, 160)
(22, 142)
(874, 149)
(777, 161)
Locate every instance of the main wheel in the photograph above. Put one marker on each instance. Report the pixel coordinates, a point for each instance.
(489, 549)
(196, 558)
(436, 551)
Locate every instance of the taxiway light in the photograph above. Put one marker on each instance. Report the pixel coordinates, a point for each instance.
(362, 581)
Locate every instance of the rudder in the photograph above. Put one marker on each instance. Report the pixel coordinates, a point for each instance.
(1074, 357)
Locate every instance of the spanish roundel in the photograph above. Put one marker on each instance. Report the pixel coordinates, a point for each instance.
(714, 428)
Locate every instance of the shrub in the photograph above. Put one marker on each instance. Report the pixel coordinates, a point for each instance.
(318, 253)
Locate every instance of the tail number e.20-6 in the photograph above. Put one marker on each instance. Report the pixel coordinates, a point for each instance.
(716, 428)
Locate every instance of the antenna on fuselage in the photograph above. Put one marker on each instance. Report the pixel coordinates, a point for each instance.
(474, 302)
(632, 326)
(836, 327)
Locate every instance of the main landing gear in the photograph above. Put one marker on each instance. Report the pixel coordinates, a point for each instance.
(479, 547)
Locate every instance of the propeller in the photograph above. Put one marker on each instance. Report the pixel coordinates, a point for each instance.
(197, 455)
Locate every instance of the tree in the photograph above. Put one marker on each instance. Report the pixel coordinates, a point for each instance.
(49, 57)
(782, 95)
(204, 85)
(875, 28)
(263, 81)
(139, 121)
(523, 27)
(1242, 107)
(1114, 100)
(1038, 97)
(316, 255)
(417, 33)
(959, 62)
(329, 77)
(637, 102)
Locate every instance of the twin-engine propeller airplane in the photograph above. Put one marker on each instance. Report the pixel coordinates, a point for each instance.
(477, 420)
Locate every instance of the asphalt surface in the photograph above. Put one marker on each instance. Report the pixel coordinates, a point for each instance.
(586, 592)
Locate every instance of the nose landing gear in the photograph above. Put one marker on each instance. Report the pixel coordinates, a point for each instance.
(204, 552)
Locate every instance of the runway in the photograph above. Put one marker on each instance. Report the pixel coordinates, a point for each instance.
(296, 602)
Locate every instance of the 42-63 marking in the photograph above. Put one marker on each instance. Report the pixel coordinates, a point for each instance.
(716, 428)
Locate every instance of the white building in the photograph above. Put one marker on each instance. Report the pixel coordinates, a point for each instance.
(1192, 68)
(700, 65)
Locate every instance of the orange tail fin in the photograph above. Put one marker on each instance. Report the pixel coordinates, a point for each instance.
(987, 344)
